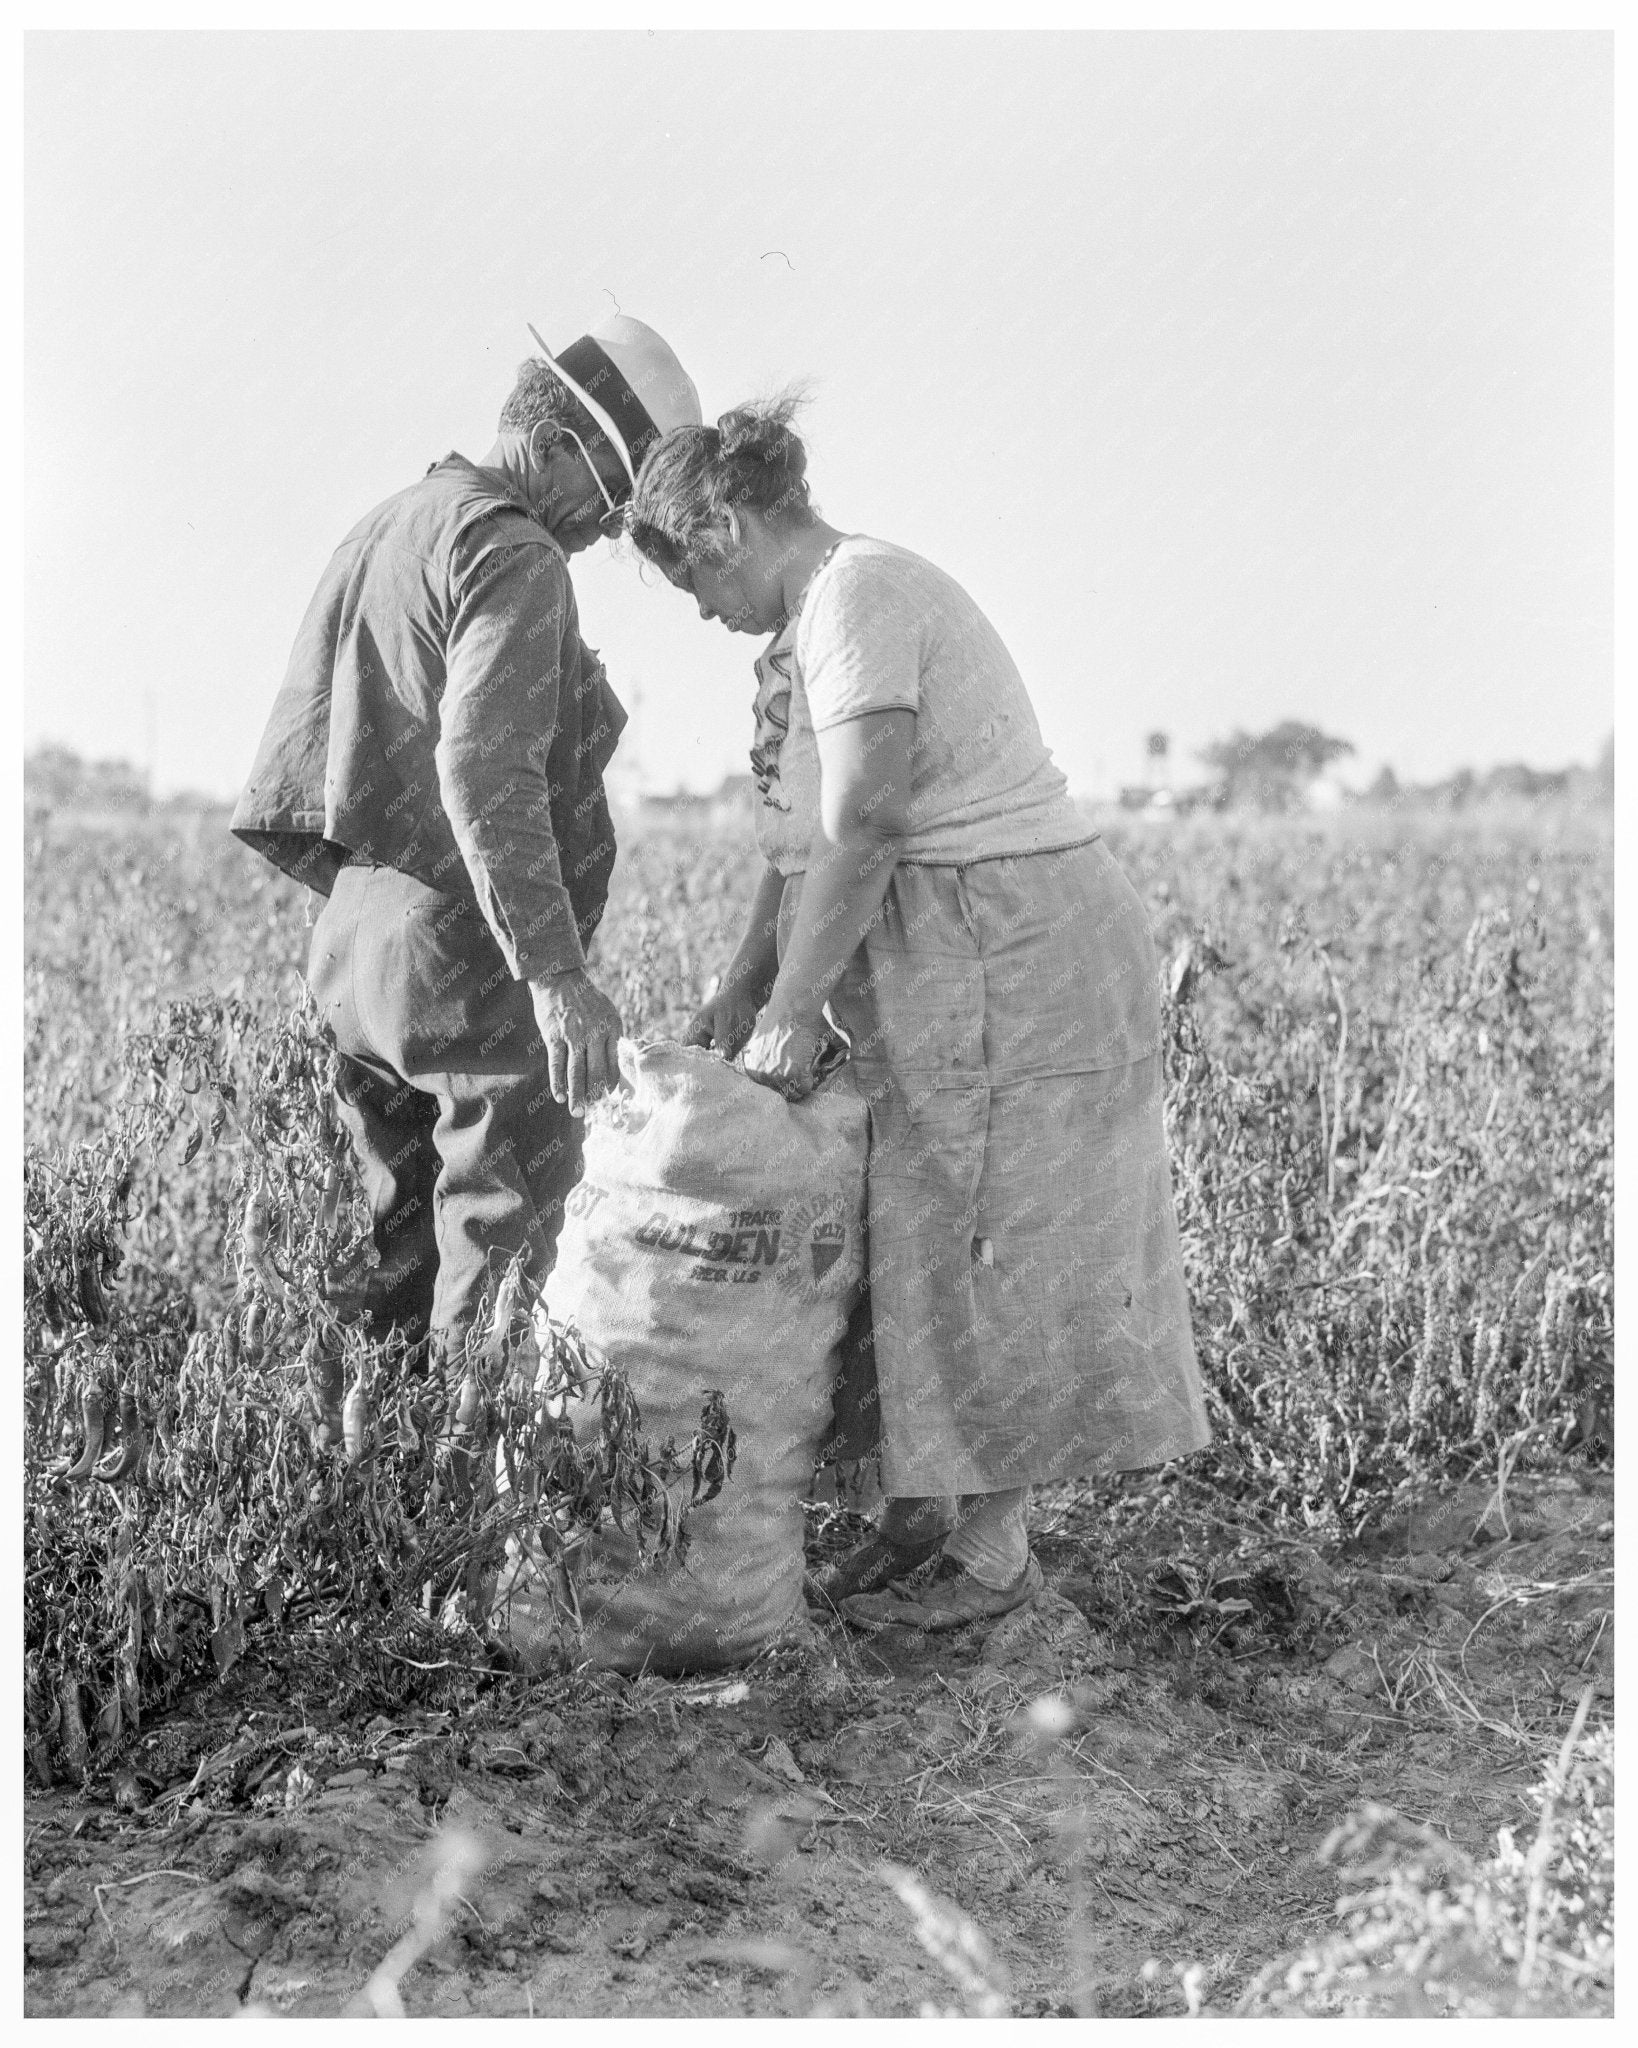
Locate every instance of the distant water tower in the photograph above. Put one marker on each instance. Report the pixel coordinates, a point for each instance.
(1157, 747)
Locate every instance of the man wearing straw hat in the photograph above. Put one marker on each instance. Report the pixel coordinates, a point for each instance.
(433, 766)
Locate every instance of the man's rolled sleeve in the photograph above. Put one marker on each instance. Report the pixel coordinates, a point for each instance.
(503, 672)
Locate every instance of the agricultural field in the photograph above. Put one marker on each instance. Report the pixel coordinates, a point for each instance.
(1361, 1648)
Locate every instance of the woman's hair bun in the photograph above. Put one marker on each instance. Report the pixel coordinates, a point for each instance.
(695, 476)
(761, 433)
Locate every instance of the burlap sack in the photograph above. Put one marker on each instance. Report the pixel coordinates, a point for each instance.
(716, 1241)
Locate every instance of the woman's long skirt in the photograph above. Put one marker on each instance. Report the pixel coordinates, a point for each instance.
(1028, 1311)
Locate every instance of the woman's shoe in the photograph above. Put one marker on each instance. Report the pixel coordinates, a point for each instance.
(949, 1598)
(866, 1568)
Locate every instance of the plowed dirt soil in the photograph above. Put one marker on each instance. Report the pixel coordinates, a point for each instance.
(593, 1845)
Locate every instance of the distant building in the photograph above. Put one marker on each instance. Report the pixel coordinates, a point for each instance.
(730, 806)
(1165, 802)
(682, 806)
(1325, 792)
(735, 800)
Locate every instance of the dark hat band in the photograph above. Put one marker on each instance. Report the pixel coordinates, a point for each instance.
(597, 374)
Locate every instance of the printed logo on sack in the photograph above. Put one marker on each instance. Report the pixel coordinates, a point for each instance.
(745, 1247)
(816, 1245)
(585, 1198)
(804, 1247)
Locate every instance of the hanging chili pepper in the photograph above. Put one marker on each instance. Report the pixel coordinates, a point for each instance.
(355, 1419)
(119, 1467)
(93, 1418)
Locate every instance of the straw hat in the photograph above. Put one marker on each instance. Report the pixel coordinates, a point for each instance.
(627, 378)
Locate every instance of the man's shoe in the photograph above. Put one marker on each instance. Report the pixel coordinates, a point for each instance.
(950, 1598)
(867, 1568)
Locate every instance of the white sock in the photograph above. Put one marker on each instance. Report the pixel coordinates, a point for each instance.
(991, 1538)
(908, 1519)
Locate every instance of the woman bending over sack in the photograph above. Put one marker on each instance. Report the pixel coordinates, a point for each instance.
(930, 882)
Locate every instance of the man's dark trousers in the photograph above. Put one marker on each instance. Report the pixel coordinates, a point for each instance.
(464, 1155)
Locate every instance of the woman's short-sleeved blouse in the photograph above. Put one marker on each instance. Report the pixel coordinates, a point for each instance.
(881, 629)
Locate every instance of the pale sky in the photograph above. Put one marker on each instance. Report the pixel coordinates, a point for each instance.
(1237, 376)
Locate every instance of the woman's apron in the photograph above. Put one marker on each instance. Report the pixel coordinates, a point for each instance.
(1027, 1309)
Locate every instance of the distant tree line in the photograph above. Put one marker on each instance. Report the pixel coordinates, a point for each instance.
(1284, 769)
(1270, 771)
(1277, 770)
(57, 779)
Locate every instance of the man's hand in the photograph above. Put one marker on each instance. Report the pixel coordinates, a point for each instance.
(728, 1015)
(581, 1028)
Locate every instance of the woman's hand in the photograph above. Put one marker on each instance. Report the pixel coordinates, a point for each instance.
(727, 1017)
(784, 1050)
